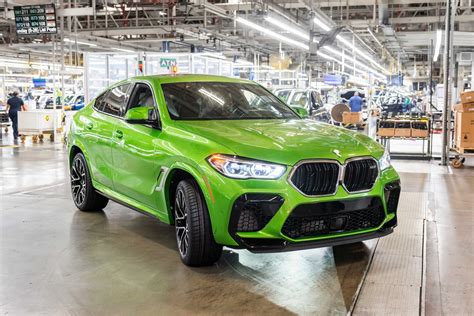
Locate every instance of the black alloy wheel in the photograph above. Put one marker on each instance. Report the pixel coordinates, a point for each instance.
(194, 236)
(78, 181)
(181, 224)
(84, 195)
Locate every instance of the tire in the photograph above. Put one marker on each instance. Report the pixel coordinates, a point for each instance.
(84, 195)
(196, 244)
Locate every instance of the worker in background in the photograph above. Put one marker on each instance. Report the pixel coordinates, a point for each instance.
(355, 102)
(14, 105)
(31, 101)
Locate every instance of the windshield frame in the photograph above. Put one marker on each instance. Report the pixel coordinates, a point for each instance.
(277, 100)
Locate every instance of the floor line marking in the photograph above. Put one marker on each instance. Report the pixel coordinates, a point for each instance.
(423, 271)
(39, 189)
(362, 282)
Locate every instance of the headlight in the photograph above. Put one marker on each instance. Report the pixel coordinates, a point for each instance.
(241, 168)
(384, 162)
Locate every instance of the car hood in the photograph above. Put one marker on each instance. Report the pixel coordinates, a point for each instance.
(284, 141)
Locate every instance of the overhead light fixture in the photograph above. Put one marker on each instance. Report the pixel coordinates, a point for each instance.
(353, 60)
(347, 43)
(123, 50)
(271, 33)
(375, 37)
(78, 42)
(321, 24)
(302, 35)
(287, 40)
(439, 34)
(289, 28)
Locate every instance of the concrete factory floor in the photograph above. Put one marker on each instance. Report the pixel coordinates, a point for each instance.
(55, 260)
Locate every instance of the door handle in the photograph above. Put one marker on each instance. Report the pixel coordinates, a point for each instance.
(89, 125)
(118, 134)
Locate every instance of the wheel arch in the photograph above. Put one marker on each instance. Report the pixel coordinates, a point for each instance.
(75, 148)
(174, 176)
(73, 152)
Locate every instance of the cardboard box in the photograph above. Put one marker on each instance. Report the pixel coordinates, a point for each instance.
(464, 107)
(351, 117)
(467, 97)
(402, 129)
(419, 129)
(386, 129)
(464, 129)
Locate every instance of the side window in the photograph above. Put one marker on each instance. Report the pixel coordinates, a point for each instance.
(99, 102)
(116, 100)
(142, 96)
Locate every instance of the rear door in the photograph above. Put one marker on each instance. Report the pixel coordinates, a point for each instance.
(136, 152)
(100, 132)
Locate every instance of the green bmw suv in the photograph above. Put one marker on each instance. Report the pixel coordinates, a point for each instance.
(229, 164)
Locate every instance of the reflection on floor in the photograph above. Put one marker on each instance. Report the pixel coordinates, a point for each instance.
(56, 260)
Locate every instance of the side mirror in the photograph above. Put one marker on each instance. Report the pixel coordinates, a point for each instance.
(302, 112)
(142, 115)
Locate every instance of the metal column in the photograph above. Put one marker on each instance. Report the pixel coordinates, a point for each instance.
(446, 116)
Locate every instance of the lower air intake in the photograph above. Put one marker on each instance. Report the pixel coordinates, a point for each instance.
(319, 219)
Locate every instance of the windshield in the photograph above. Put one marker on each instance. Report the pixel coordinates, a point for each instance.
(223, 101)
(299, 98)
(283, 94)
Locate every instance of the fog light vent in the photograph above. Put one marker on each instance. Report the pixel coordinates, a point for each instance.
(252, 212)
(392, 195)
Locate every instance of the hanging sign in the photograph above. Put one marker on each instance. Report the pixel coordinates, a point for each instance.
(167, 62)
(35, 19)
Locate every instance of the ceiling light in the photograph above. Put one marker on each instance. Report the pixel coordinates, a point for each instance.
(271, 33)
(439, 34)
(301, 34)
(306, 47)
(82, 43)
(347, 43)
(352, 59)
(123, 50)
(360, 52)
(321, 24)
(288, 28)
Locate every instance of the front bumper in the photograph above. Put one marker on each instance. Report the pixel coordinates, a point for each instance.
(261, 245)
(284, 199)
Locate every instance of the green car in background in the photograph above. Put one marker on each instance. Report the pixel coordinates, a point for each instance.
(229, 164)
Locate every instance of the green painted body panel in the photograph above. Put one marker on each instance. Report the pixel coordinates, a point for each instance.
(134, 163)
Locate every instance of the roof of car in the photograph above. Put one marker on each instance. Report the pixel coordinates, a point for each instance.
(189, 78)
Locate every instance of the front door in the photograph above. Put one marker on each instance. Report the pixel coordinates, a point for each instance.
(136, 153)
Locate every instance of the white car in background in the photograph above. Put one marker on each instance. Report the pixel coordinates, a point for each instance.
(41, 100)
(309, 99)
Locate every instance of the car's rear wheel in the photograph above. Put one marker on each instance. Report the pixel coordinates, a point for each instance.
(84, 195)
(196, 244)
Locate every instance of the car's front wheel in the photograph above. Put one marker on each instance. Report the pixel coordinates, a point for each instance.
(84, 195)
(194, 235)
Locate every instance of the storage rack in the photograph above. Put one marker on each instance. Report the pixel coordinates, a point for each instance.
(426, 142)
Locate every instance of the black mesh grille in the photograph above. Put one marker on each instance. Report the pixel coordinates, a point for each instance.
(360, 175)
(316, 178)
(313, 220)
(252, 219)
(392, 195)
(252, 212)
